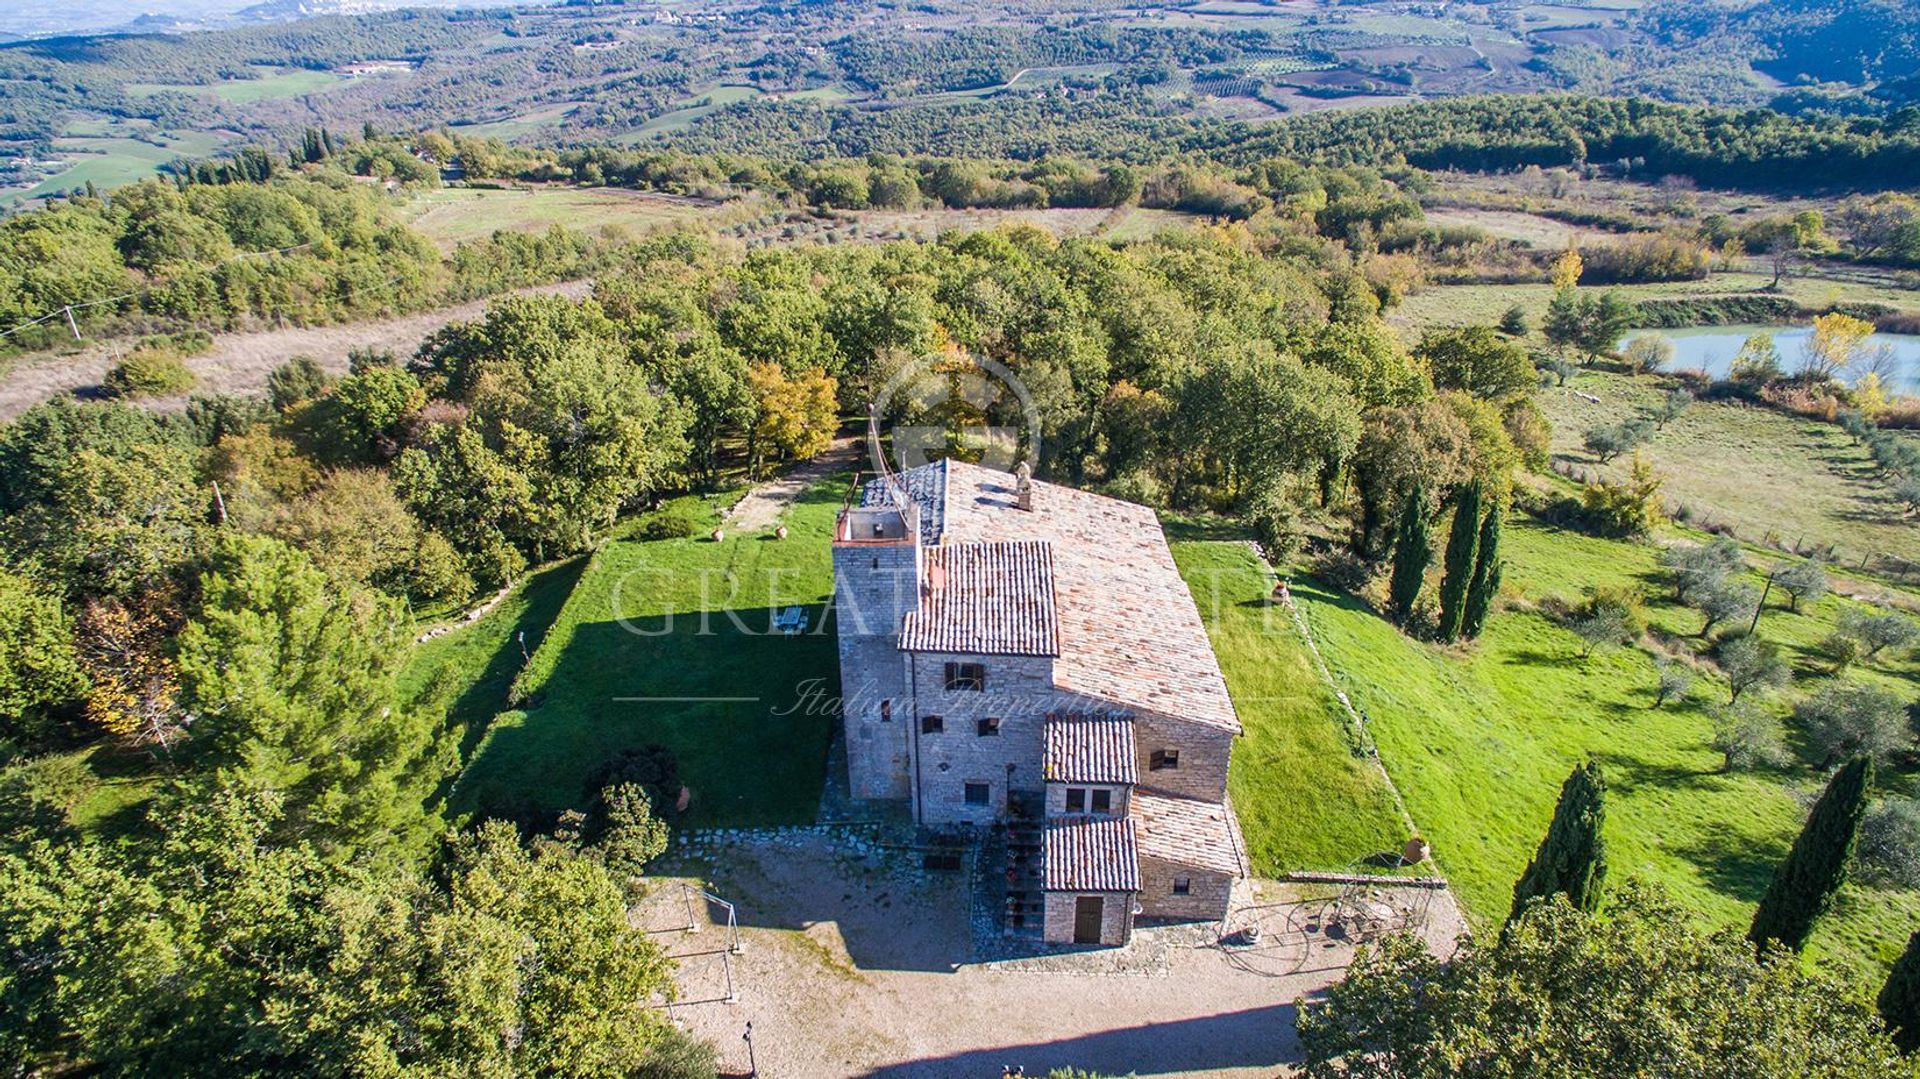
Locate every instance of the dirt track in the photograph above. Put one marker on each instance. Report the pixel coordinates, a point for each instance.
(240, 362)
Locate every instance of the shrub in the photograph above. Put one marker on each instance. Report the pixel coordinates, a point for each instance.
(1674, 681)
(1846, 719)
(1647, 352)
(652, 768)
(299, 379)
(665, 526)
(1804, 582)
(1344, 570)
(1879, 632)
(1889, 847)
(148, 372)
(1751, 663)
(1746, 737)
(1661, 257)
(1611, 440)
(1629, 507)
(1138, 485)
(1694, 568)
(1275, 520)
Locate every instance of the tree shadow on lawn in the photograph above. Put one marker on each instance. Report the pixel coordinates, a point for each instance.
(746, 710)
(546, 594)
(1735, 865)
(1628, 772)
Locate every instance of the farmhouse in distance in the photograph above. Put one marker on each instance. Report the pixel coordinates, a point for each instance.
(1022, 653)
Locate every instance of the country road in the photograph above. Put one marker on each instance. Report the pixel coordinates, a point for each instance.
(240, 362)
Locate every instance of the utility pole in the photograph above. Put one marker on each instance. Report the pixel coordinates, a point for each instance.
(753, 1066)
(1762, 605)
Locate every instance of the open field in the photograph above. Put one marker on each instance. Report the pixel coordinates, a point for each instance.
(1459, 305)
(112, 160)
(695, 107)
(1305, 799)
(542, 119)
(448, 216)
(1534, 230)
(670, 642)
(272, 83)
(1736, 464)
(240, 362)
(1479, 739)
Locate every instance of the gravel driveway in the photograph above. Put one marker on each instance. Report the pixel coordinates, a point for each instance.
(858, 963)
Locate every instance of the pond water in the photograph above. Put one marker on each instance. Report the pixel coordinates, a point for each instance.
(1712, 348)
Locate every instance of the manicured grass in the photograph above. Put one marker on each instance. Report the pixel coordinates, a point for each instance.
(448, 216)
(484, 657)
(1479, 739)
(670, 642)
(1305, 798)
(1732, 463)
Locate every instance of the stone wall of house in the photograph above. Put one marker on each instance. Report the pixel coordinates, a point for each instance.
(1057, 798)
(1116, 917)
(1019, 693)
(874, 585)
(1204, 752)
(1207, 898)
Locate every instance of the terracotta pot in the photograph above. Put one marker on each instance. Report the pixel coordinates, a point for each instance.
(781, 532)
(719, 534)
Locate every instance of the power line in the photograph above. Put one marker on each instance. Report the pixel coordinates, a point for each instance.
(68, 309)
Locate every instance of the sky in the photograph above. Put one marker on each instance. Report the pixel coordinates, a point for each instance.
(40, 18)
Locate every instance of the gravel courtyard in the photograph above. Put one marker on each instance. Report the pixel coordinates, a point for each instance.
(858, 962)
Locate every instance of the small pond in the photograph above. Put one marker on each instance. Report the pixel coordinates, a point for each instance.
(1712, 348)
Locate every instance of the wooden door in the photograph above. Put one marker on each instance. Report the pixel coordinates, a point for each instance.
(1088, 912)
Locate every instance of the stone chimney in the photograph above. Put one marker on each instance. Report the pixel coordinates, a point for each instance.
(1023, 486)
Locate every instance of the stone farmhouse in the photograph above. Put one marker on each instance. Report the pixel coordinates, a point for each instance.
(1023, 654)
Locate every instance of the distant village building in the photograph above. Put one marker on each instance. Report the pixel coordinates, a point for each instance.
(1024, 653)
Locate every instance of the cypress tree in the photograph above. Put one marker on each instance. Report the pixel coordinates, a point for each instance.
(1486, 576)
(1900, 998)
(1463, 544)
(1412, 551)
(1804, 885)
(1572, 859)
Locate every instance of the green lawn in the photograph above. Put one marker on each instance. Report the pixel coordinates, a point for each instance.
(1305, 799)
(485, 656)
(668, 641)
(1479, 739)
(1729, 463)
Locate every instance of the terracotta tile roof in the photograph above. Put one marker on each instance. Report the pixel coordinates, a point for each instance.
(1186, 831)
(1091, 749)
(993, 599)
(1130, 635)
(1091, 855)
